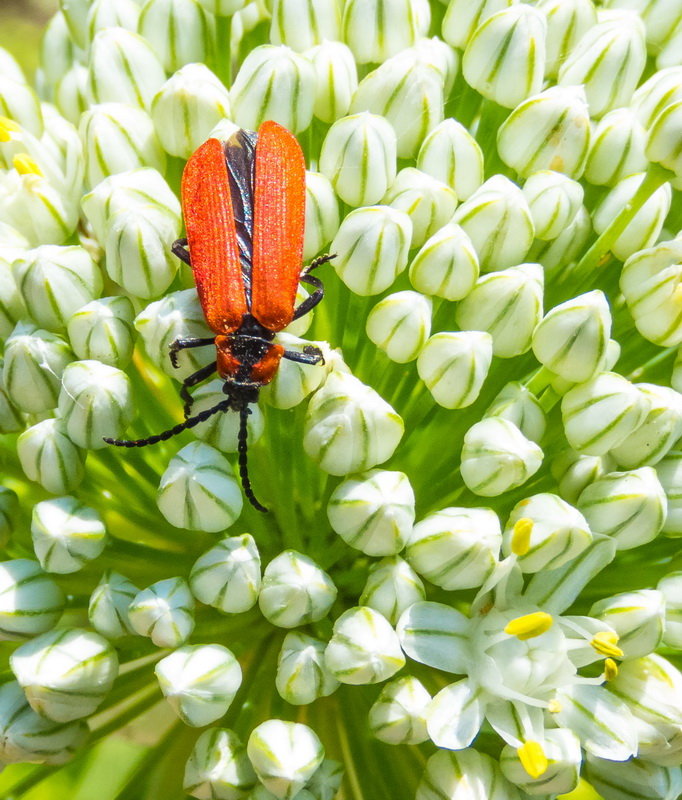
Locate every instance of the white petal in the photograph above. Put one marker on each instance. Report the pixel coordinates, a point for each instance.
(436, 635)
(455, 715)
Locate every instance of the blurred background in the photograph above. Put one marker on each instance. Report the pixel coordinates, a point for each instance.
(21, 26)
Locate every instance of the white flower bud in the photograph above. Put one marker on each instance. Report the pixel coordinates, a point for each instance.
(643, 230)
(179, 31)
(112, 14)
(20, 103)
(567, 21)
(71, 93)
(400, 324)
(293, 381)
(397, 716)
(227, 576)
(497, 457)
(108, 606)
(11, 419)
(548, 131)
(274, 82)
(452, 155)
(27, 737)
(454, 366)
(391, 587)
(519, 405)
(349, 427)
(199, 682)
(49, 457)
(504, 59)
(507, 305)
(497, 220)
(428, 202)
(649, 281)
(628, 506)
(565, 250)
(575, 472)
(359, 158)
(670, 586)
(336, 79)
(221, 430)
(116, 138)
(364, 648)
(637, 617)
(164, 612)
(617, 780)
(304, 23)
(571, 339)
(617, 149)
(326, 780)
(369, 37)
(295, 591)
(284, 755)
(554, 201)
(58, 49)
(601, 413)
(30, 601)
(439, 55)
(406, 91)
(187, 107)
(446, 265)
(224, 8)
(561, 748)
(321, 218)
(664, 88)
(302, 675)
(218, 767)
(66, 534)
(373, 512)
(467, 774)
(65, 673)
(662, 137)
(12, 307)
(669, 473)
(102, 330)
(9, 66)
(198, 490)
(463, 17)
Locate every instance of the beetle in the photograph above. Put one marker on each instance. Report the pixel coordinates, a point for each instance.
(243, 203)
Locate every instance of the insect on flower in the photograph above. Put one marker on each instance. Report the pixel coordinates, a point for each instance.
(243, 203)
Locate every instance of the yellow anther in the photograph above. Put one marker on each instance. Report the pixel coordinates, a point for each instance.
(25, 165)
(610, 669)
(554, 706)
(7, 126)
(530, 625)
(532, 758)
(605, 643)
(520, 540)
(677, 294)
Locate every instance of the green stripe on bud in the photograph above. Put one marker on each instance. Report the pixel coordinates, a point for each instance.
(108, 606)
(102, 330)
(519, 405)
(392, 586)
(400, 324)
(49, 457)
(662, 89)
(371, 40)
(30, 601)
(218, 767)
(164, 612)
(638, 777)
(321, 214)
(575, 472)
(71, 93)
(463, 17)
(112, 14)
(447, 264)
(228, 576)
(436, 635)
(567, 22)
(302, 675)
(336, 79)
(179, 31)
(301, 24)
(554, 201)
(397, 716)
(617, 148)
(428, 202)
(452, 155)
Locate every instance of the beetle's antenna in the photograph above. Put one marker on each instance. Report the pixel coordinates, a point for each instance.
(202, 416)
(244, 412)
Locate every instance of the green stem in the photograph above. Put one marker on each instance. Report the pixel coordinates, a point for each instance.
(223, 50)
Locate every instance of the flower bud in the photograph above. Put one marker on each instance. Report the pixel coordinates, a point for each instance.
(58, 50)
(504, 59)
(108, 607)
(406, 91)
(561, 748)
(519, 405)
(349, 427)
(446, 265)
(284, 755)
(497, 220)
(548, 131)
(179, 31)
(55, 281)
(359, 158)
(643, 230)
(617, 148)
(364, 648)
(49, 457)
(20, 103)
(11, 419)
(295, 591)
(463, 17)
(321, 214)
(497, 457)
(371, 40)
(187, 107)
(392, 586)
(336, 79)
(276, 83)
(326, 780)
(123, 68)
(9, 66)
(71, 93)
(454, 366)
(397, 716)
(669, 472)
(199, 682)
(373, 512)
(466, 773)
(302, 676)
(112, 14)
(554, 201)
(30, 601)
(608, 61)
(618, 780)
(571, 339)
(227, 576)
(218, 766)
(12, 307)
(102, 330)
(451, 155)
(628, 506)
(28, 737)
(117, 137)
(221, 430)
(164, 612)
(198, 490)
(670, 586)
(66, 673)
(293, 381)
(600, 414)
(303, 24)
(567, 247)
(664, 88)
(456, 548)
(637, 617)
(428, 202)
(574, 472)
(567, 22)
(507, 305)
(400, 324)
(663, 134)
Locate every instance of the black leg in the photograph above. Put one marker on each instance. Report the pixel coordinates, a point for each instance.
(184, 344)
(196, 377)
(309, 355)
(179, 248)
(318, 262)
(310, 302)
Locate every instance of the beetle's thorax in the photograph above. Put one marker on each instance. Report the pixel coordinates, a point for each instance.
(248, 356)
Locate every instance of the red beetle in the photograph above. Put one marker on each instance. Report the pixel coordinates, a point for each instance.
(243, 202)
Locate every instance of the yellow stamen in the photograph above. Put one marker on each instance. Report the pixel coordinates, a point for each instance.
(533, 758)
(610, 669)
(530, 625)
(520, 541)
(7, 126)
(25, 165)
(605, 643)
(554, 706)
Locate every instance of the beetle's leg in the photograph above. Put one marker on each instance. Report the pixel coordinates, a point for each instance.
(196, 377)
(179, 248)
(310, 302)
(182, 344)
(309, 355)
(317, 262)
